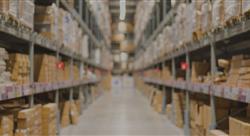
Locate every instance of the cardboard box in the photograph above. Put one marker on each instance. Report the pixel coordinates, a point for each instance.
(65, 120)
(216, 133)
(239, 126)
(74, 114)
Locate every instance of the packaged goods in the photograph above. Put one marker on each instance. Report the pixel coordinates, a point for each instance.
(157, 101)
(45, 68)
(6, 125)
(74, 113)
(19, 67)
(46, 21)
(206, 18)
(233, 10)
(26, 13)
(199, 71)
(217, 133)
(178, 100)
(29, 121)
(49, 112)
(218, 13)
(65, 120)
(239, 126)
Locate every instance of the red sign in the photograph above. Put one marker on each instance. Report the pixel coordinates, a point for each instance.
(60, 65)
(184, 66)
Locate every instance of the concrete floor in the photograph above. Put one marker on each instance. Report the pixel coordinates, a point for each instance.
(122, 112)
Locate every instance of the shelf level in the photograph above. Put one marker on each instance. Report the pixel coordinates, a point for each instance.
(231, 93)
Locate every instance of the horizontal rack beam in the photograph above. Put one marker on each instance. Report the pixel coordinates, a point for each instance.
(14, 91)
(231, 93)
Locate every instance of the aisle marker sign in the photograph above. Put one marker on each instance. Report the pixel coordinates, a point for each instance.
(184, 65)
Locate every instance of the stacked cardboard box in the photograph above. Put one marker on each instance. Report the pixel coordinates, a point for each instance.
(74, 113)
(178, 99)
(199, 71)
(216, 133)
(45, 68)
(65, 120)
(76, 72)
(239, 126)
(19, 66)
(29, 121)
(6, 125)
(26, 13)
(46, 21)
(166, 73)
(4, 74)
(49, 112)
(157, 101)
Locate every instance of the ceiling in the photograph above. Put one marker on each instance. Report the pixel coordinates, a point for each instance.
(114, 6)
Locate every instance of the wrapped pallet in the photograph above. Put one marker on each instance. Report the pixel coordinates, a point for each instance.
(218, 13)
(233, 10)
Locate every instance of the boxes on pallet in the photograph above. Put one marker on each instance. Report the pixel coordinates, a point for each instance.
(65, 120)
(19, 67)
(74, 113)
(239, 126)
(29, 121)
(46, 21)
(157, 101)
(6, 125)
(178, 100)
(49, 113)
(199, 71)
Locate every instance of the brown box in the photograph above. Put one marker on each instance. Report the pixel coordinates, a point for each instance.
(65, 120)
(216, 133)
(74, 114)
(239, 126)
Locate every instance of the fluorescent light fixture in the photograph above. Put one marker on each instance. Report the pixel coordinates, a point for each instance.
(122, 9)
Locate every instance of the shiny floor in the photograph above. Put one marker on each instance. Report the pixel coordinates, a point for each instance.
(123, 111)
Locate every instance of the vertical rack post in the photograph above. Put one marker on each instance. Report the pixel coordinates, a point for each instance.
(173, 90)
(57, 101)
(31, 59)
(164, 100)
(187, 101)
(71, 78)
(81, 88)
(213, 72)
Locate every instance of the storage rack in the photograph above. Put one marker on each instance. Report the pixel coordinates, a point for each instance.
(30, 42)
(233, 38)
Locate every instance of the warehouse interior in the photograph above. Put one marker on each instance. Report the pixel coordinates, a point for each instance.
(124, 67)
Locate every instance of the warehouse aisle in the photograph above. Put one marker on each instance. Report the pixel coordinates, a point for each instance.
(122, 112)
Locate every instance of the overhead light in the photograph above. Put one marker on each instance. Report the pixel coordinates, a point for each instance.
(122, 9)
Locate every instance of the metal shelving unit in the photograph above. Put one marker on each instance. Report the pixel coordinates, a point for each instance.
(229, 37)
(11, 36)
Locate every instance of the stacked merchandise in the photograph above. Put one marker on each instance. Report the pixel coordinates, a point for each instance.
(20, 11)
(239, 126)
(6, 125)
(19, 67)
(178, 100)
(45, 68)
(142, 16)
(166, 73)
(199, 71)
(76, 72)
(46, 21)
(157, 101)
(74, 113)
(192, 22)
(49, 112)
(4, 75)
(239, 71)
(29, 121)
(57, 24)
(101, 10)
(65, 120)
